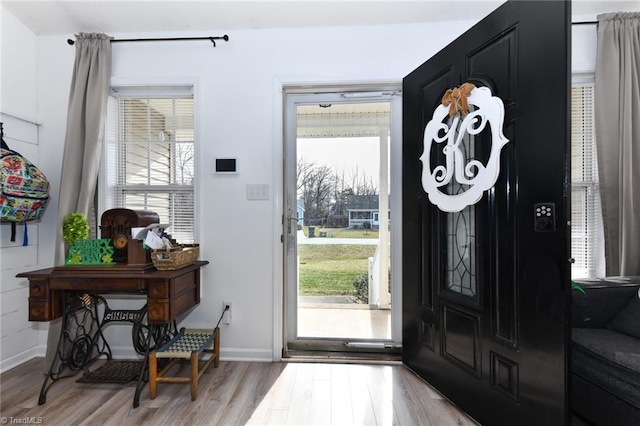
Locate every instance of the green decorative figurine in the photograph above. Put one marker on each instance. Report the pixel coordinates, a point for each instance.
(75, 227)
(82, 251)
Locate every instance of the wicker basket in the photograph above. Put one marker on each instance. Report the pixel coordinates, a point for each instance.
(176, 257)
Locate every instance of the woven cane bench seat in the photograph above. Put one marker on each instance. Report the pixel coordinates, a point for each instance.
(189, 344)
(189, 340)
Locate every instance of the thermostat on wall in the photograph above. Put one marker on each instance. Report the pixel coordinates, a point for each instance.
(226, 165)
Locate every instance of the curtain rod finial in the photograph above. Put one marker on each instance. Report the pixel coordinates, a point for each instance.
(70, 42)
(225, 37)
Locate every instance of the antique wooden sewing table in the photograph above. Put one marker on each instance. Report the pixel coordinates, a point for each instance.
(74, 293)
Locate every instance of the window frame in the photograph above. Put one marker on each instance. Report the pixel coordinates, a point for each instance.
(108, 175)
(592, 236)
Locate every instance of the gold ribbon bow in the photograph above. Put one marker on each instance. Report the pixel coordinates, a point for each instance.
(456, 99)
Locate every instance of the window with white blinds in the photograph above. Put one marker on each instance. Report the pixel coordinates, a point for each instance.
(150, 155)
(586, 219)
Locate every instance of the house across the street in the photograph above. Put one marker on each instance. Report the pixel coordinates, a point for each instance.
(364, 211)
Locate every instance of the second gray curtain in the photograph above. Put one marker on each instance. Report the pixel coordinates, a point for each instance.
(85, 124)
(83, 142)
(617, 109)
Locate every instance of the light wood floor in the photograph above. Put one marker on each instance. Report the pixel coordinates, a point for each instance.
(237, 393)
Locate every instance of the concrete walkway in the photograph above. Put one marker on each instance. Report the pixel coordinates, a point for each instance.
(302, 239)
(346, 321)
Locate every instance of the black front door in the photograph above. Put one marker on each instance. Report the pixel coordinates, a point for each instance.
(485, 288)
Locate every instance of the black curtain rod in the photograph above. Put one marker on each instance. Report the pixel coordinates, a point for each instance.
(122, 40)
(585, 23)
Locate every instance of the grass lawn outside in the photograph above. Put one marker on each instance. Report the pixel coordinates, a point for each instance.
(342, 232)
(330, 269)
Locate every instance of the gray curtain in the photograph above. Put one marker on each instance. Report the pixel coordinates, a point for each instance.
(83, 141)
(617, 109)
(85, 124)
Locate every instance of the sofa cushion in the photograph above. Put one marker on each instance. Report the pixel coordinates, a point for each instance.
(600, 302)
(608, 359)
(627, 321)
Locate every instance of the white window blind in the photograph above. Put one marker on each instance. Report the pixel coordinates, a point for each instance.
(586, 219)
(150, 155)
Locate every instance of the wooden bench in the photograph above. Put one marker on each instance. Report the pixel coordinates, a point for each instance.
(189, 344)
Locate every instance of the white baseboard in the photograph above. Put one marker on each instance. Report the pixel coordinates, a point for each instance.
(226, 354)
(41, 350)
(21, 358)
(246, 355)
(126, 352)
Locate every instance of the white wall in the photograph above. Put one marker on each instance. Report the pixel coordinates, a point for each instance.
(239, 107)
(18, 90)
(239, 114)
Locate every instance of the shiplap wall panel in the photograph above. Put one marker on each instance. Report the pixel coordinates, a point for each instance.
(14, 261)
(14, 305)
(5, 236)
(15, 344)
(19, 338)
(18, 133)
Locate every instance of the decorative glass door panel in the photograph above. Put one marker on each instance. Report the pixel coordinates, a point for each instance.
(461, 252)
(461, 236)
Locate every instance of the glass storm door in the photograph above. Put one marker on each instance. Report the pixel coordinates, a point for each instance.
(340, 275)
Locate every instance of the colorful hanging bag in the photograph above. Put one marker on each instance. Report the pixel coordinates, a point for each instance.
(24, 189)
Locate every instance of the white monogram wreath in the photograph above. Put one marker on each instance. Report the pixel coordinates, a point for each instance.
(479, 177)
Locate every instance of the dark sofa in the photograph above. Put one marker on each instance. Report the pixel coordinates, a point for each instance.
(605, 351)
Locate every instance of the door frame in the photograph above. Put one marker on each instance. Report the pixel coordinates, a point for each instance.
(281, 333)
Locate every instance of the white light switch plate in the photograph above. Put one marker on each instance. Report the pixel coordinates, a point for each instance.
(257, 191)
